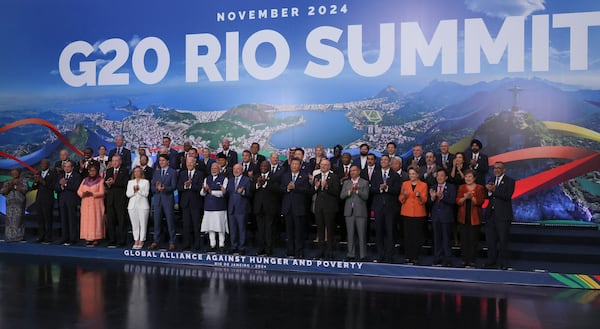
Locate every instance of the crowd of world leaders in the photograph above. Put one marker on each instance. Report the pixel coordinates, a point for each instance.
(434, 195)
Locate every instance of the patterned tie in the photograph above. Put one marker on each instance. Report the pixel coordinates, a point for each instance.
(237, 181)
(439, 192)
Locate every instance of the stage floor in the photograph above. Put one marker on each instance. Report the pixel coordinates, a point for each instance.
(43, 291)
(536, 274)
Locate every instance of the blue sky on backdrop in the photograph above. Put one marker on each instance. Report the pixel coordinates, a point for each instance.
(34, 32)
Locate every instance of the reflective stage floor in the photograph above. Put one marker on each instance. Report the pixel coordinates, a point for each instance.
(53, 292)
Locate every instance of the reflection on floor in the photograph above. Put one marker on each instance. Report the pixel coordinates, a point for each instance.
(46, 292)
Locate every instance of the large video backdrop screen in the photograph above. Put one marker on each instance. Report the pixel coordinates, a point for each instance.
(520, 76)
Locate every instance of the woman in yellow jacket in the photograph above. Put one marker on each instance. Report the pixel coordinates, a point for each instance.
(413, 196)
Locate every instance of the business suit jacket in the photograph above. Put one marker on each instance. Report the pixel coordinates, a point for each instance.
(327, 199)
(68, 196)
(501, 199)
(207, 163)
(476, 211)
(403, 176)
(411, 205)
(385, 201)
(148, 172)
(406, 163)
(355, 203)
(239, 202)
(267, 197)
(45, 189)
(438, 161)
(259, 159)
(169, 180)
(443, 210)
(139, 199)
(190, 197)
(232, 158)
(482, 166)
(58, 166)
(293, 202)
(252, 167)
(115, 194)
(125, 157)
(364, 173)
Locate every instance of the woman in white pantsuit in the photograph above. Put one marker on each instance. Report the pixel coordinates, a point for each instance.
(139, 209)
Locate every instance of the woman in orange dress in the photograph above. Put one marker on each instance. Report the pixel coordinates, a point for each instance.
(413, 196)
(91, 192)
(469, 198)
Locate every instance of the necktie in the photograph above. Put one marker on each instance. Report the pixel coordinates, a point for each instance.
(346, 170)
(115, 173)
(439, 192)
(68, 176)
(384, 175)
(163, 171)
(294, 178)
(237, 181)
(245, 167)
(189, 175)
(370, 173)
(445, 158)
(119, 151)
(497, 181)
(273, 168)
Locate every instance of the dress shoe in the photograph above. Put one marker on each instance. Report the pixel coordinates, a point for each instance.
(153, 246)
(212, 250)
(490, 265)
(172, 247)
(261, 252)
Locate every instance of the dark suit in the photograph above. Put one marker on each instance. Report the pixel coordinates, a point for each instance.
(44, 201)
(266, 207)
(357, 161)
(442, 219)
(250, 167)
(232, 158)
(385, 205)
(481, 168)
(259, 159)
(58, 166)
(125, 158)
(68, 200)
(238, 208)
(207, 164)
(325, 208)
(408, 162)
(173, 161)
(191, 205)
(449, 161)
(163, 201)
(499, 215)
(116, 206)
(148, 172)
(293, 208)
